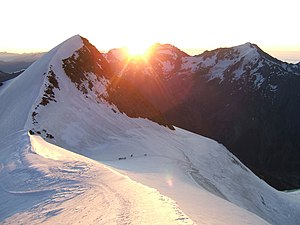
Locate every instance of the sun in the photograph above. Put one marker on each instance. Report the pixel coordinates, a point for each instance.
(137, 49)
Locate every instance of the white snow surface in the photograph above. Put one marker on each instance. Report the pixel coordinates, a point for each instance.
(217, 67)
(190, 63)
(43, 183)
(167, 67)
(168, 177)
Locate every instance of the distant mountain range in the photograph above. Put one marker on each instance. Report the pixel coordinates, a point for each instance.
(7, 76)
(239, 96)
(12, 62)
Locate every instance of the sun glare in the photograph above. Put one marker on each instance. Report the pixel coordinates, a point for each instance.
(137, 49)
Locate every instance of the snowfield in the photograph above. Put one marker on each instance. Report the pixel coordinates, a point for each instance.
(43, 183)
(103, 167)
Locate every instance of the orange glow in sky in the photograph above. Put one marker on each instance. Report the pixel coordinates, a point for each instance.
(35, 25)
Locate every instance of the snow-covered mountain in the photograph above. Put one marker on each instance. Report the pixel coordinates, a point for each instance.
(240, 96)
(99, 153)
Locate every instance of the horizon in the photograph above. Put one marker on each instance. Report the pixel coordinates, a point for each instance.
(114, 24)
(290, 56)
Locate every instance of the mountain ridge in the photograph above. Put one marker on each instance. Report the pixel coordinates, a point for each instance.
(42, 183)
(170, 82)
(225, 94)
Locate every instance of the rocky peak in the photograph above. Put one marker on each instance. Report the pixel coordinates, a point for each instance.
(167, 49)
(116, 55)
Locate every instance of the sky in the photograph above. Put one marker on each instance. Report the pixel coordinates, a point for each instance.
(35, 25)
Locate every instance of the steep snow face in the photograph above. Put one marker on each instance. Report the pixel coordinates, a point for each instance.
(20, 95)
(74, 69)
(16, 104)
(84, 74)
(35, 87)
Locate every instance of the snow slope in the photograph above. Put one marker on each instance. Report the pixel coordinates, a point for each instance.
(47, 184)
(189, 179)
(237, 96)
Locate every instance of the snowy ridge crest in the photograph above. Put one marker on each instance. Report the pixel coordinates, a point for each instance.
(77, 66)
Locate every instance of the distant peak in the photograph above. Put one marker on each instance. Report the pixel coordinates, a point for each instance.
(75, 38)
(261, 52)
(168, 49)
(69, 46)
(247, 45)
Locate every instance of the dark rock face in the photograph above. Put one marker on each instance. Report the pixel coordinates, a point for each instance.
(84, 61)
(260, 127)
(131, 102)
(49, 94)
(240, 96)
